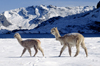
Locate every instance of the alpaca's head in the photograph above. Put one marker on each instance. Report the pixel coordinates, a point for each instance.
(54, 31)
(17, 35)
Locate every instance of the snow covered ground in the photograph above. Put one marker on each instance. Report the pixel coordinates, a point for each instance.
(10, 51)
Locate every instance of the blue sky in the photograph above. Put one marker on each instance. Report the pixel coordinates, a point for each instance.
(13, 4)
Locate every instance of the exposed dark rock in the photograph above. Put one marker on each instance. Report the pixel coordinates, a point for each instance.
(98, 4)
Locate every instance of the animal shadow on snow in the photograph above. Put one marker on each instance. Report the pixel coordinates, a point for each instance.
(38, 57)
(98, 41)
(58, 56)
(25, 57)
(21, 57)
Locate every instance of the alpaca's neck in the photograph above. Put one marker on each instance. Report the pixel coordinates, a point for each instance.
(57, 35)
(19, 39)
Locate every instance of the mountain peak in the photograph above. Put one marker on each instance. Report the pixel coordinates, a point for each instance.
(32, 16)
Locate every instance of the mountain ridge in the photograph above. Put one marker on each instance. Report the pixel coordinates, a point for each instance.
(31, 17)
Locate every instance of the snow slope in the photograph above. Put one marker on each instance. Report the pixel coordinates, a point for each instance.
(32, 16)
(87, 22)
(10, 51)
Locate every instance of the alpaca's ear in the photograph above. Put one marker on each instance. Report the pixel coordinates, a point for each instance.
(56, 27)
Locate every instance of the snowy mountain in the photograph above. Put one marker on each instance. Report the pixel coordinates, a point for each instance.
(40, 19)
(87, 22)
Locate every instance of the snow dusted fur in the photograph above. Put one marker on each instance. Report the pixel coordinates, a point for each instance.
(28, 44)
(70, 40)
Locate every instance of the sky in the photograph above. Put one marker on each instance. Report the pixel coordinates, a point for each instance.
(6, 5)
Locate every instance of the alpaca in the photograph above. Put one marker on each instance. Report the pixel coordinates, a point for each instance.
(28, 44)
(70, 40)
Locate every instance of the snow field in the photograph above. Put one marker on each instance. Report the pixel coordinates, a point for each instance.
(10, 51)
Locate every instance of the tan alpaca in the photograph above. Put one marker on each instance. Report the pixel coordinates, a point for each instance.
(70, 40)
(28, 44)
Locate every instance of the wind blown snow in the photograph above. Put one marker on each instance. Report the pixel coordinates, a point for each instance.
(10, 51)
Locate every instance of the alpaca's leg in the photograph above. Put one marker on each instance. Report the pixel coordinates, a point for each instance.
(85, 49)
(62, 49)
(78, 49)
(23, 52)
(69, 49)
(41, 50)
(36, 50)
(29, 50)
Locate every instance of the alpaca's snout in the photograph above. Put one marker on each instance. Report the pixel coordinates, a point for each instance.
(51, 32)
(14, 36)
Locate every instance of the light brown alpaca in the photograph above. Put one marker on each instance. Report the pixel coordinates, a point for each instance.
(28, 44)
(70, 40)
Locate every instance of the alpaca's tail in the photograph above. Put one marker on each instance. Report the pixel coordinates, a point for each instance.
(39, 42)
